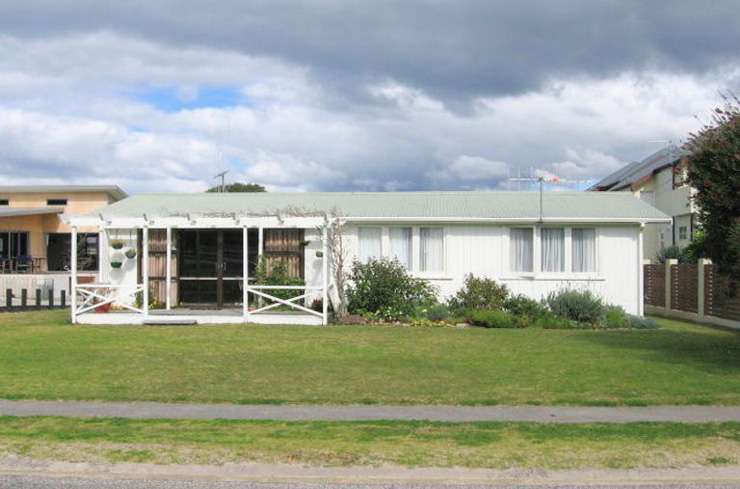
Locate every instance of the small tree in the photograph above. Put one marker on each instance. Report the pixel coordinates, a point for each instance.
(239, 187)
(714, 171)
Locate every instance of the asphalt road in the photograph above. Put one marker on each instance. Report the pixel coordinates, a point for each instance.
(297, 412)
(29, 482)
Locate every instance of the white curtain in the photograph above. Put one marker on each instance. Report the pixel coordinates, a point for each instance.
(584, 250)
(401, 245)
(431, 253)
(369, 245)
(553, 250)
(521, 249)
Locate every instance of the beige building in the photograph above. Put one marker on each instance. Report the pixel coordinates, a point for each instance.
(34, 239)
(659, 180)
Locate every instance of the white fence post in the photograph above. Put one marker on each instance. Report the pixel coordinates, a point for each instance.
(640, 273)
(145, 269)
(168, 267)
(325, 276)
(245, 273)
(73, 275)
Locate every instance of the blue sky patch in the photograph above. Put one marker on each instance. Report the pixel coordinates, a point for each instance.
(170, 99)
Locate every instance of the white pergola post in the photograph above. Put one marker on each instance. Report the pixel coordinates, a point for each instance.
(73, 276)
(325, 276)
(640, 273)
(168, 278)
(245, 273)
(260, 249)
(145, 269)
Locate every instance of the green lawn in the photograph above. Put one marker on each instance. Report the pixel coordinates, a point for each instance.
(493, 445)
(43, 357)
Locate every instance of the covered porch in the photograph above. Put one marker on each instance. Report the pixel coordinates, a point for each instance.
(205, 270)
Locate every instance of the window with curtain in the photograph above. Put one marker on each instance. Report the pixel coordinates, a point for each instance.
(369, 243)
(401, 245)
(553, 249)
(431, 249)
(584, 250)
(521, 249)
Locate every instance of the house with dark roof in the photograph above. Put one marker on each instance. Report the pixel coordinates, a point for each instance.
(659, 180)
(193, 257)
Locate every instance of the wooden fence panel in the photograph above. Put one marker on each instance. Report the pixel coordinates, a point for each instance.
(654, 285)
(721, 295)
(286, 245)
(684, 287)
(158, 266)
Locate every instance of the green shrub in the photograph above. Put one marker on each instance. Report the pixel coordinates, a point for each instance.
(521, 305)
(383, 290)
(492, 318)
(479, 293)
(549, 320)
(638, 322)
(437, 312)
(577, 305)
(616, 317)
(277, 274)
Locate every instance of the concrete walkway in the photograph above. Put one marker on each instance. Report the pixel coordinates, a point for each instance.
(292, 412)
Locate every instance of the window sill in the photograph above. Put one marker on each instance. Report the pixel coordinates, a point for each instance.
(431, 275)
(557, 277)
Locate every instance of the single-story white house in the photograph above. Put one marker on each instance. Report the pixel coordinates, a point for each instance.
(194, 256)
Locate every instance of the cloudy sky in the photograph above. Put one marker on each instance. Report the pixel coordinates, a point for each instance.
(352, 95)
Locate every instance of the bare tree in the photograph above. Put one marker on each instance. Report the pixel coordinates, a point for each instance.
(338, 261)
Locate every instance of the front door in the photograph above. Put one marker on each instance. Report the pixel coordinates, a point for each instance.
(210, 267)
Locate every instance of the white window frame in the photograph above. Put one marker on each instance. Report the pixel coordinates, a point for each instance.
(566, 251)
(383, 237)
(387, 243)
(535, 252)
(567, 273)
(569, 254)
(416, 251)
(386, 252)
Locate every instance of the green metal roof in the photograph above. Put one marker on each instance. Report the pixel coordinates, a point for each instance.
(395, 205)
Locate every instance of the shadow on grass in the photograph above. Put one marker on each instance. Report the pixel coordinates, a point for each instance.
(711, 350)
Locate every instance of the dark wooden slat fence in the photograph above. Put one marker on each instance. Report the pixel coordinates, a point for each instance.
(692, 291)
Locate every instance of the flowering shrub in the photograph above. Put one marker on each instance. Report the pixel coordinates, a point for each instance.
(383, 290)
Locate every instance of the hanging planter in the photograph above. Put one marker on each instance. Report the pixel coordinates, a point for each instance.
(116, 244)
(130, 253)
(116, 261)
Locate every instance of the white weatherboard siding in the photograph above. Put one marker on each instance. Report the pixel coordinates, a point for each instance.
(483, 251)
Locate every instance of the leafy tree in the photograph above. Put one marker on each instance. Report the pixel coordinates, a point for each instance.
(714, 171)
(239, 187)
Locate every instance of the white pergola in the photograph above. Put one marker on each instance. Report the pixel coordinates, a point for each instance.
(95, 298)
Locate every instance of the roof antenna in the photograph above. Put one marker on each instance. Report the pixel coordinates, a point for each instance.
(222, 176)
(541, 180)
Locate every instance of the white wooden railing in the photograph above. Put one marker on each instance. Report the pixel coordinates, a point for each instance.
(95, 295)
(258, 290)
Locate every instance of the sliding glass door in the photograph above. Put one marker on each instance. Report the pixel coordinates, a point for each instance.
(210, 267)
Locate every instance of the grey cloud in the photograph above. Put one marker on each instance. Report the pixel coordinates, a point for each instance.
(451, 50)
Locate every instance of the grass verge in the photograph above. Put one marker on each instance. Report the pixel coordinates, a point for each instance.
(43, 357)
(474, 445)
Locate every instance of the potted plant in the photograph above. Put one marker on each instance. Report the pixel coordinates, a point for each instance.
(102, 308)
(130, 253)
(116, 244)
(116, 261)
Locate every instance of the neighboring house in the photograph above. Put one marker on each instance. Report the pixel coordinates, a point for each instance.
(198, 252)
(33, 238)
(659, 180)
